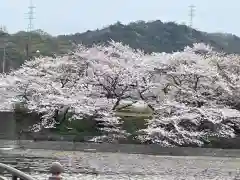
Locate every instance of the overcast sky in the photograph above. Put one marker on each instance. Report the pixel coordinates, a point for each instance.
(71, 16)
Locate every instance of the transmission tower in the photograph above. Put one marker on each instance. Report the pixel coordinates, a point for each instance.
(30, 17)
(191, 14)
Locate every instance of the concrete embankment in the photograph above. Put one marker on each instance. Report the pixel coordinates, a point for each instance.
(122, 148)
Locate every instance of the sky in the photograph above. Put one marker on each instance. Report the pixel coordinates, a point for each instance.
(71, 16)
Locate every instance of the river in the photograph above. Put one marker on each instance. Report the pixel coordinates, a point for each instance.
(92, 165)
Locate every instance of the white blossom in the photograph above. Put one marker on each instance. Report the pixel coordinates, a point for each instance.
(192, 93)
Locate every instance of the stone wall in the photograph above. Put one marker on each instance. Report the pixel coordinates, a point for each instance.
(152, 149)
(11, 124)
(7, 126)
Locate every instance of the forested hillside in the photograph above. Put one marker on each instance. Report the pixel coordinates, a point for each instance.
(154, 36)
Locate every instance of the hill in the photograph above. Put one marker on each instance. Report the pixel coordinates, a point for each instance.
(154, 36)
(16, 47)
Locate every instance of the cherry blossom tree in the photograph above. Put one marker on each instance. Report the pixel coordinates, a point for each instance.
(89, 82)
(200, 87)
(193, 94)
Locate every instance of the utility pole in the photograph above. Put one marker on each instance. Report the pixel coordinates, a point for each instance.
(3, 44)
(30, 29)
(4, 59)
(3, 28)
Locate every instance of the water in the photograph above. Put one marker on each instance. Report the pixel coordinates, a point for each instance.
(87, 165)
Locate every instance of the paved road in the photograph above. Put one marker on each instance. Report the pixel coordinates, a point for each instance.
(87, 165)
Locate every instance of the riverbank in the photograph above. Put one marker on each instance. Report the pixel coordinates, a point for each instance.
(151, 149)
(102, 166)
